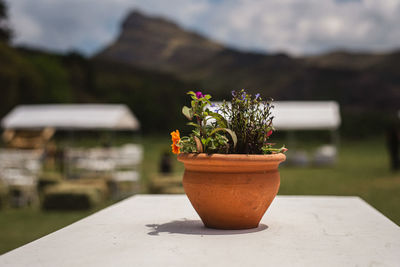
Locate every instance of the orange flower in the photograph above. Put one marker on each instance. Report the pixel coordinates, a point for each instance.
(175, 140)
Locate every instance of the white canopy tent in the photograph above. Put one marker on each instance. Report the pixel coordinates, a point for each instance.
(71, 117)
(306, 115)
(309, 115)
(293, 116)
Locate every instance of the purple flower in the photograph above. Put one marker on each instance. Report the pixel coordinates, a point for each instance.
(257, 96)
(233, 93)
(199, 95)
(243, 95)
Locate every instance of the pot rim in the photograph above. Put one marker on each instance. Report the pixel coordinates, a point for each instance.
(232, 157)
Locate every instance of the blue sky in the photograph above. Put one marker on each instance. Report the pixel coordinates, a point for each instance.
(293, 26)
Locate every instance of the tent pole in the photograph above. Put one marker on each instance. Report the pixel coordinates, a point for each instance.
(67, 168)
(291, 139)
(335, 138)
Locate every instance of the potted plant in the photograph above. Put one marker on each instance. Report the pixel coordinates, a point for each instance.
(231, 170)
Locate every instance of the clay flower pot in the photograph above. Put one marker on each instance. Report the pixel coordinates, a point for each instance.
(231, 191)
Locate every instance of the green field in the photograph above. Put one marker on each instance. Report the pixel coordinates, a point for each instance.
(362, 170)
(20, 226)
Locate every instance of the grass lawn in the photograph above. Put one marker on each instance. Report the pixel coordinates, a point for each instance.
(362, 170)
(21, 226)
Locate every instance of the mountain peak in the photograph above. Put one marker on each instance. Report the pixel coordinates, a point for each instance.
(157, 43)
(137, 19)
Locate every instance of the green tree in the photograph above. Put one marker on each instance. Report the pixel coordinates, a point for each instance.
(20, 82)
(5, 31)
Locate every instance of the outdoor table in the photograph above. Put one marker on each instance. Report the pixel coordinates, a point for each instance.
(164, 230)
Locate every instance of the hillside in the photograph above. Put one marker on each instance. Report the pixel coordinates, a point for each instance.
(353, 79)
(33, 77)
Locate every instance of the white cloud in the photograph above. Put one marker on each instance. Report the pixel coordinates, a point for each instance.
(295, 26)
(308, 26)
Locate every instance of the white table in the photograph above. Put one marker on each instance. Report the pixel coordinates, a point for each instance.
(164, 230)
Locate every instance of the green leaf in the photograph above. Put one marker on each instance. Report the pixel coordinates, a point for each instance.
(221, 121)
(187, 112)
(208, 97)
(208, 140)
(193, 124)
(229, 131)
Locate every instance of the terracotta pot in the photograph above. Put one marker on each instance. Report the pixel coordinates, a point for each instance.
(231, 191)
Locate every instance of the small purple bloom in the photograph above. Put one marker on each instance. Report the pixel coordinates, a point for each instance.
(243, 95)
(233, 93)
(199, 95)
(257, 96)
(212, 105)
